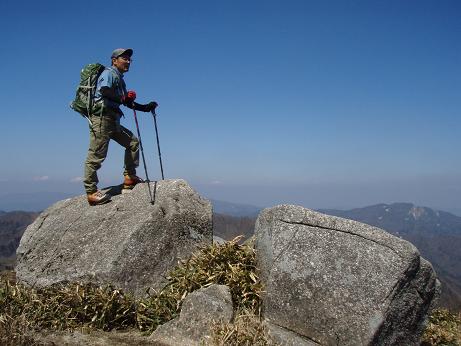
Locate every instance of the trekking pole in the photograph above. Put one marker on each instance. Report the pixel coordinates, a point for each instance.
(143, 158)
(158, 143)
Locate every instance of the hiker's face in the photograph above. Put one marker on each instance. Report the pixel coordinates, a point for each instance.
(122, 63)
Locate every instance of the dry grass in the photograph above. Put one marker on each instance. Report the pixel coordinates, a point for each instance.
(228, 264)
(246, 330)
(444, 328)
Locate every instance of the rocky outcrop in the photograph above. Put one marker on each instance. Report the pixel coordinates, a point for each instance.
(129, 242)
(340, 282)
(199, 311)
(328, 280)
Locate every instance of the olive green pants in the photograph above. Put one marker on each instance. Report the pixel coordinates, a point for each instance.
(102, 130)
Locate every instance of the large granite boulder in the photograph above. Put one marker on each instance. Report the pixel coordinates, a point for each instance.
(341, 282)
(129, 242)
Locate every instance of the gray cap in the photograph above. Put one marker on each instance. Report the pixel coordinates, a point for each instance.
(120, 51)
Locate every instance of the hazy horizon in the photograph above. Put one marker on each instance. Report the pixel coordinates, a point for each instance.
(319, 195)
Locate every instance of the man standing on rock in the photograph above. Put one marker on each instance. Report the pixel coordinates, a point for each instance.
(111, 92)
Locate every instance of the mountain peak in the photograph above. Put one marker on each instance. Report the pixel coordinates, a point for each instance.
(417, 212)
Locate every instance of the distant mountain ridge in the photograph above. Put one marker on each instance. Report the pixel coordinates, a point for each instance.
(403, 218)
(228, 227)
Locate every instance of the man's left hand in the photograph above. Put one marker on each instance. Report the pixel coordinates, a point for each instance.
(151, 106)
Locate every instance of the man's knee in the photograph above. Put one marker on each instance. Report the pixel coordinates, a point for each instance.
(94, 161)
(93, 165)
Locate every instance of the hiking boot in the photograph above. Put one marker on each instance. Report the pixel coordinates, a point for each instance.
(98, 197)
(130, 181)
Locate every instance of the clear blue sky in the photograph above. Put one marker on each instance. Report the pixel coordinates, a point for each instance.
(321, 103)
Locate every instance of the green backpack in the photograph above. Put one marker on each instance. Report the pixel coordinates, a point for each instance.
(86, 90)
